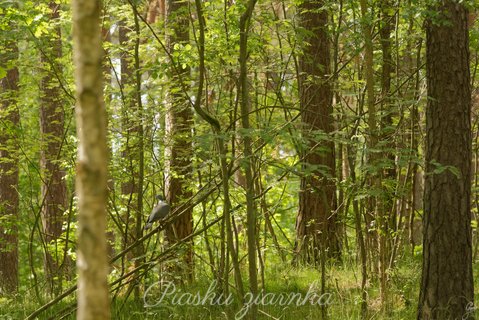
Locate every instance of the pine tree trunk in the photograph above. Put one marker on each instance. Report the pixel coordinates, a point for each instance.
(129, 184)
(317, 227)
(447, 290)
(54, 190)
(179, 149)
(9, 117)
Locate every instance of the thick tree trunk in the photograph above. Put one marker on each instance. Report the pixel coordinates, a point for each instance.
(91, 180)
(54, 190)
(447, 290)
(9, 118)
(179, 149)
(316, 225)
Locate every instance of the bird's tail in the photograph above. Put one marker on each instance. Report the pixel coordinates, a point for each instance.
(147, 226)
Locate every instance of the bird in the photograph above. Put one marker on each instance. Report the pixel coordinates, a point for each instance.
(160, 211)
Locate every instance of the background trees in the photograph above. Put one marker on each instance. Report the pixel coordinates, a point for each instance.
(279, 131)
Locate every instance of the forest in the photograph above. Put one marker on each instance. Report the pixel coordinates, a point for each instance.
(239, 159)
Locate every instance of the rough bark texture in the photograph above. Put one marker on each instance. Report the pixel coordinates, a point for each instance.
(316, 224)
(387, 129)
(129, 185)
(54, 190)
(387, 218)
(248, 156)
(447, 281)
(91, 180)
(9, 118)
(179, 121)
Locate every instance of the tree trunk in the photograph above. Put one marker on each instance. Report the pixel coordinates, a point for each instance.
(377, 201)
(447, 290)
(248, 155)
(133, 146)
(91, 180)
(387, 129)
(129, 184)
(179, 149)
(54, 189)
(9, 117)
(316, 225)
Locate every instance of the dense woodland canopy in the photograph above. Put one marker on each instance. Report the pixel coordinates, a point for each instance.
(312, 147)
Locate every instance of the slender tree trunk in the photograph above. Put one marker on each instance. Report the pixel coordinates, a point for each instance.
(414, 62)
(245, 22)
(140, 152)
(179, 149)
(91, 180)
(447, 290)
(107, 79)
(54, 189)
(133, 148)
(376, 179)
(227, 247)
(387, 130)
(359, 235)
(129, 185)
(317, 225)
(9, 119)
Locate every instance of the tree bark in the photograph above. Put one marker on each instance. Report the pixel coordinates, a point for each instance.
(91, 180)
(248, 154)
(377, 201)
(447, 290)
(9, 117)
(387, 112)
(179, 149)
(133, 141)
(129, 184)
(54, 189)
(317, 223)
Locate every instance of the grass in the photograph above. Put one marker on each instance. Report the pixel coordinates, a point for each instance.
(343, 286)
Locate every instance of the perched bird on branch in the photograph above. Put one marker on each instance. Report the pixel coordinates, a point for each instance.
(160, 211)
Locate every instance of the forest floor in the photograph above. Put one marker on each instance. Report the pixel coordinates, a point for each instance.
(290, 294)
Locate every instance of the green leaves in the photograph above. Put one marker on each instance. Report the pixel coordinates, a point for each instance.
(3, 72)
(439, 169)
